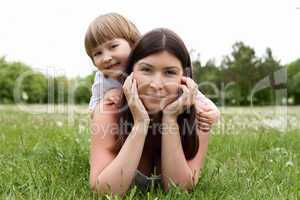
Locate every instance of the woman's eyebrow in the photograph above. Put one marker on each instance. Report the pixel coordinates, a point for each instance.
(167, 67)
(172, 67)
(143, 63)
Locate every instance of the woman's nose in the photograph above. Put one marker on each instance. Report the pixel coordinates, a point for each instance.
(156, 82)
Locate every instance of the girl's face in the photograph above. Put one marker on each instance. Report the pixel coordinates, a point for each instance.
(111, 57)
(158, 78)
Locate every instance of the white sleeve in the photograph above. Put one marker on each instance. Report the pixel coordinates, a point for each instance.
(99, 87)
(97, 90)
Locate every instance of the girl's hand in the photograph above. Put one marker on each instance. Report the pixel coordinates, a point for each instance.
(135, 104)
(206, 114)
(186, 100)
(204, 121)
(113, 96)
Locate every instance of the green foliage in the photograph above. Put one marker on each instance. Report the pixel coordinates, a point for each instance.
(294, 81)
(19, 82)
(57, 90)
(241, 78)
(208, 77)
(83, 90)
(237, 77)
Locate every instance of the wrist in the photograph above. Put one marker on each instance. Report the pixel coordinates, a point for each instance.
(142, 124)
(169, 118)
(169, 124)
(139, 130)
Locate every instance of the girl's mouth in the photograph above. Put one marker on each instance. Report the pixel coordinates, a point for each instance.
(113, 65)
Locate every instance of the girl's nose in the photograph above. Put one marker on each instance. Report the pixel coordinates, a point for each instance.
(106, 57)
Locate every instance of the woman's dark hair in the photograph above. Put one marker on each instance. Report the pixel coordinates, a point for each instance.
(156, 41)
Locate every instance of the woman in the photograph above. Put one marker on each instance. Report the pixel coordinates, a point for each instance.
(158, 134)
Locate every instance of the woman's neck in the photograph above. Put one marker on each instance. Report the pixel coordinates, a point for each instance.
(155, 118)
(155, 124)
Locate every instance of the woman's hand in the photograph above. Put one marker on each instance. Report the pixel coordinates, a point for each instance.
(186, 100)
(135, 104)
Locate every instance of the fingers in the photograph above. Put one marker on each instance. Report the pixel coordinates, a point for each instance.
(190, 83)
(183, 99)
(203, 119)
(130, 88)
(127, 84)
(134, 89)
(127, 87)
(203, 111)
(192, 86)
(204, 126)
(190, 92)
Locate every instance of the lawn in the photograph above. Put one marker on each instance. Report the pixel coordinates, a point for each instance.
(254, 153)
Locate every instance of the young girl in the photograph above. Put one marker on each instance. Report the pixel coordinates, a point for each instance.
(108, 42)
(158, 133)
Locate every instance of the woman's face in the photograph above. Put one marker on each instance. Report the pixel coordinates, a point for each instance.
(158, 78)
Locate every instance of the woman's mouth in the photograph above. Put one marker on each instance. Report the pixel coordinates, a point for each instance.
(153, 97)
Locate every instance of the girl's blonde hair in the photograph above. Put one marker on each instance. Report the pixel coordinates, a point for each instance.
(107, 27)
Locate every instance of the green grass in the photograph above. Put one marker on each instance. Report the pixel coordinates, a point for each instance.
(250, 157)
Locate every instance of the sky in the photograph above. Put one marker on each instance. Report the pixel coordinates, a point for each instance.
(49, 35)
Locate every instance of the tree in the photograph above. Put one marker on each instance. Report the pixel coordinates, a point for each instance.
(241, 69)
(293, 69)
(83, 89)
(18, 82)
(208, 78)
(267, 66)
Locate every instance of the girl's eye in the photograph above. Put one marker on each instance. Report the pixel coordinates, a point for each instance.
(114, 46)
(98, 53)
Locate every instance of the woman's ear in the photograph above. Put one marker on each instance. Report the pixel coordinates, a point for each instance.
(184, 71)
(188, 72)
(179, 92)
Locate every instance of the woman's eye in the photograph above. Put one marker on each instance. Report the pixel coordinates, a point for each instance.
(146, 69)
(170, 72)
